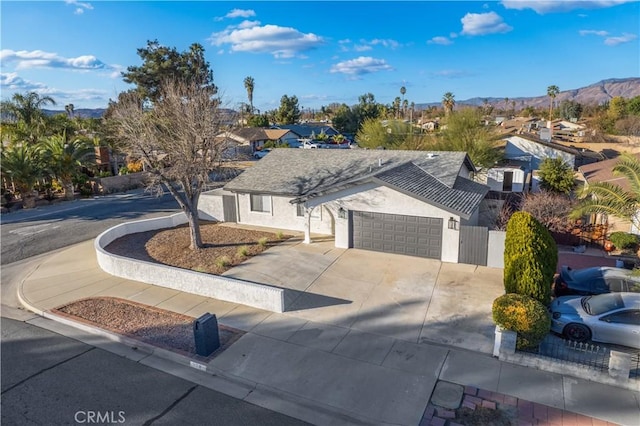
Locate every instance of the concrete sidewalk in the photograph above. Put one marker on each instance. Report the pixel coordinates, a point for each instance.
(318, 372)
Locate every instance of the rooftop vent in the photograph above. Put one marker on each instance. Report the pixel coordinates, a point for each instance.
(431, 155)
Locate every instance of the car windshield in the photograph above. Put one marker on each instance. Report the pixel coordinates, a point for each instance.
(596, 305)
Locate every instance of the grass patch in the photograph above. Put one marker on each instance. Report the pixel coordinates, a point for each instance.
(242, 252)
(262, 242)
(222, 262)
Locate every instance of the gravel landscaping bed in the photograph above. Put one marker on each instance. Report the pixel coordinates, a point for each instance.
(155, 326)
(224, 246)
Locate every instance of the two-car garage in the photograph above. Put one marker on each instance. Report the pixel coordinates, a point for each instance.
(394, 233)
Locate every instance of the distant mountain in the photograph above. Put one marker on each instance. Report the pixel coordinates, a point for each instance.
(82, 112)
(594, 94)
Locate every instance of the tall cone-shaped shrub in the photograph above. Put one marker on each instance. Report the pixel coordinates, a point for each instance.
(530, 258)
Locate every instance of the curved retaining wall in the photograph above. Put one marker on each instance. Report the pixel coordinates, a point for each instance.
(207, 285)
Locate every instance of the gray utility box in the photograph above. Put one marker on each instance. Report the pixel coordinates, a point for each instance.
(205, 332)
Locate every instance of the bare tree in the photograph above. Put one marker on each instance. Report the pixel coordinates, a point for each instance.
(176, 140)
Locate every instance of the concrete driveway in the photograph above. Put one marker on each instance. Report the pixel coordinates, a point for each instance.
(407, 298)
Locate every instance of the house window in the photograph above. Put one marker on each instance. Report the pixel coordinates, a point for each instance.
(260, 203)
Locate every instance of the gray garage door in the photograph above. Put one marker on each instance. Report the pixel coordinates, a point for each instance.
(394, 233)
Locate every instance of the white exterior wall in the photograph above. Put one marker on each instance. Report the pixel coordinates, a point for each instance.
(210, 205)
(385, 200)
(283, 215)
(495, 178)
(517, 146)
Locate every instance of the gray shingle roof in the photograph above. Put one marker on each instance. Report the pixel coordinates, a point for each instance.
(305, 173)
(408, 178)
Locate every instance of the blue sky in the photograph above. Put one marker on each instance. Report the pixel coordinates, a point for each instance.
(324, 52)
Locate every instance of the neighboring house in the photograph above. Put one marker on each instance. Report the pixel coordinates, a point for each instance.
(603, 172)
(256, 137)
(309, 130)
(507, 179)
(405, 202)
(529, 152)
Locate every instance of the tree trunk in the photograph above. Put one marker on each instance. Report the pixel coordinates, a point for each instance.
(194, 230)
(68, 190)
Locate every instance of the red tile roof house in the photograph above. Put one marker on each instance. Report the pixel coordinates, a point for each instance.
(603, 172)
(405, 202)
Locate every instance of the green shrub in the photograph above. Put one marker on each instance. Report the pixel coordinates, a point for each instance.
(524, 315)
(263, 241)
(242, 251)
(530, 258)
(222, 262)
(280, 235)
(623, 240)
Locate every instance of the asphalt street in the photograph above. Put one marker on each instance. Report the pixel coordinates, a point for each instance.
(49, 379)
(27, 233)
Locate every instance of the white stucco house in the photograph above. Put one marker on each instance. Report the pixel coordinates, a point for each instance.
(405, 202)
(507, 179)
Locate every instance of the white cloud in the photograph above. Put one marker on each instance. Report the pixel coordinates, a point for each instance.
(625, 38)
(362, 47)
(550, 6)
(361, 65)
(80, 6)
(440, 40)
(39, 59)
(366, 45)
(593, 32)
(12, 81)
(240, 13)
(483, 23)
(248, 24)
(609, 40)
(281, 42)
(391, 44)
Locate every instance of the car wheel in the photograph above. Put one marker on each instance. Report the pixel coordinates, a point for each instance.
(577, 332)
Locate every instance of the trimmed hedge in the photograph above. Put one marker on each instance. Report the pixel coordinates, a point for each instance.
(530, 258)
(524, 315)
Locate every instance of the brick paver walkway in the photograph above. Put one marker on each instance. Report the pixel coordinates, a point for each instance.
(524, 413)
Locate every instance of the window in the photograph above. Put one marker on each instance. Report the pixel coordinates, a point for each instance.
(625, 317)
(260, 203)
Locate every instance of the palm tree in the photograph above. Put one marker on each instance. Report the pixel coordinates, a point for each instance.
(552, 92)
(27, 108)
(249, 84)
(448, 102)
(611, 199)
(69, 109)
(27, 111)
(403, 90)
(65, 160)
(22, 167)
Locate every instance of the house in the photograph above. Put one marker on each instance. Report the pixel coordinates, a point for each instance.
(507, 179)
(255, 137)
(406, 202)
(309, 130)
(603, 172)
(529, 152)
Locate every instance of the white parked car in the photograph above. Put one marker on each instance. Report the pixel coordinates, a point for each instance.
(259, 154)
(608, 318)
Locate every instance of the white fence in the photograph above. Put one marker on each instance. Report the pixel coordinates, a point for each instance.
(229, 289)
